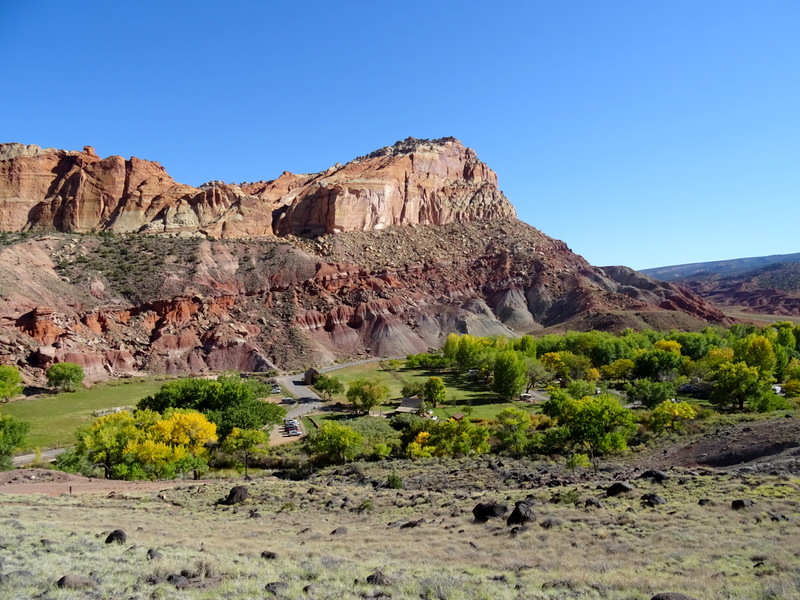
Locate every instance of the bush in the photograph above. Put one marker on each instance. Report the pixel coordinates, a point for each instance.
(65, 376)
(394, 482)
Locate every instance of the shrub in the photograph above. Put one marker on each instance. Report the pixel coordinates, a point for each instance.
(394, 482)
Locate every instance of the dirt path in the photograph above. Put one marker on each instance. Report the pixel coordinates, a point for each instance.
(57, 483)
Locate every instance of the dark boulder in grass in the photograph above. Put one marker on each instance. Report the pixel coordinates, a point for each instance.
(655, 475)
(521, 515)
(237, 495)
(488, 510)
(620, 487)
(76, 582)
(652, 500)
(740, 504)
(116, 537)
(179, 581)
(339, 531)
(267, 555)
(378, 578)
(276, 587)
(154, 554)
(672, 596)
(592, 502)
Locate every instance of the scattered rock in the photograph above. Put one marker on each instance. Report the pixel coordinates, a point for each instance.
(76, 582)
(550, 522)
(117, 536)
(412, 524)
(672, 596)
(339, 531)
(740, 504)
(179, 581)
(652, 500)
(378, 578)
(704, 501)
(276, 587)
(154, 554)
(592, 502)
(488, 510)
(237, 495)
(266, 554)
(655, 475)
(521, 515)
(619, 487)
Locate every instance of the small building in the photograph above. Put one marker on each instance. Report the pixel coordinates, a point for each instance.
(409, 405)
(310, 377)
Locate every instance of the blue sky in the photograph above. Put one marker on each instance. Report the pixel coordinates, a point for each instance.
(644, 133)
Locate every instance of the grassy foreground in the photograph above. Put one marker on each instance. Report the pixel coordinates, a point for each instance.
(622, 551)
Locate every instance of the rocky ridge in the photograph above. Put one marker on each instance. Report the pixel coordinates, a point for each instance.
(398, 249)
(416, 181)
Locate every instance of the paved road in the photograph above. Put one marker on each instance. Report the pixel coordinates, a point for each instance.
(47, 456)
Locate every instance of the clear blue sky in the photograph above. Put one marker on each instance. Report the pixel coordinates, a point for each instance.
(645, 133)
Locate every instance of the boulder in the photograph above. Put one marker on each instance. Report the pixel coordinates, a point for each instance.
(76, 582)
(339, 531)
(154, 554)
(268, 555)
(617, 488)
(236, 495)
(276, 587)
(740, 504)
(672, 596)
(489, 510)
(521, 515)
(592, 502)
(117, 536)
(655, 475)
(378, 578)
(179, 581)
(652, 500)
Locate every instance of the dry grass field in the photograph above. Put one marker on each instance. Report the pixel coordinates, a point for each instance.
(423, 537)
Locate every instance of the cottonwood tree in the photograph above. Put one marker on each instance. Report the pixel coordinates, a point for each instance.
(736, 384)
(365, 394)
(246, 443)
(434, 391)
(334, 443)
(328, 386)
(12, 436)
(65, 376)
(509, 374)
(10, 382)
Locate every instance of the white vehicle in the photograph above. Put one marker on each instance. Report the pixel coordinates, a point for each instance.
(526, 397)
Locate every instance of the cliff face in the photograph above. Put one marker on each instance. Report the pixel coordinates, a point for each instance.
(388, 255)
(425, 182)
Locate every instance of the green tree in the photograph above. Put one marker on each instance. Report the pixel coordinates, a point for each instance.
(334, 443)
(434, 391)
(512, 430)
(509, 374)
(649, 393)
(246, 443)
(756, 351)
(328, 386)
(365, 394)
(601, 425)
(145, 445)
(657, 364)
(619, 370)
(12, 437)
(65, 376)
(736, 384)
(535, 372)
(578, 388)
(229, 401)
(10, 382)
(671, 415)
(413, 388)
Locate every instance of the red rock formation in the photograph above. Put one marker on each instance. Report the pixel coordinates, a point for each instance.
(415, 181)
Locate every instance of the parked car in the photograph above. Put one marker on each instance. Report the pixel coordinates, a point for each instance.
(276, 390)
(526, 397)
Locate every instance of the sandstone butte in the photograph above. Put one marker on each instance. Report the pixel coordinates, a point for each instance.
(385, 255)
(413, 182)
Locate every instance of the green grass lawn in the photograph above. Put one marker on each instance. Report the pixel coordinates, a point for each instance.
(55, 418)
(463, 396)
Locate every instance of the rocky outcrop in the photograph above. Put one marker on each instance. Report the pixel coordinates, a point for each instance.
(408, 244)
(414, 182)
